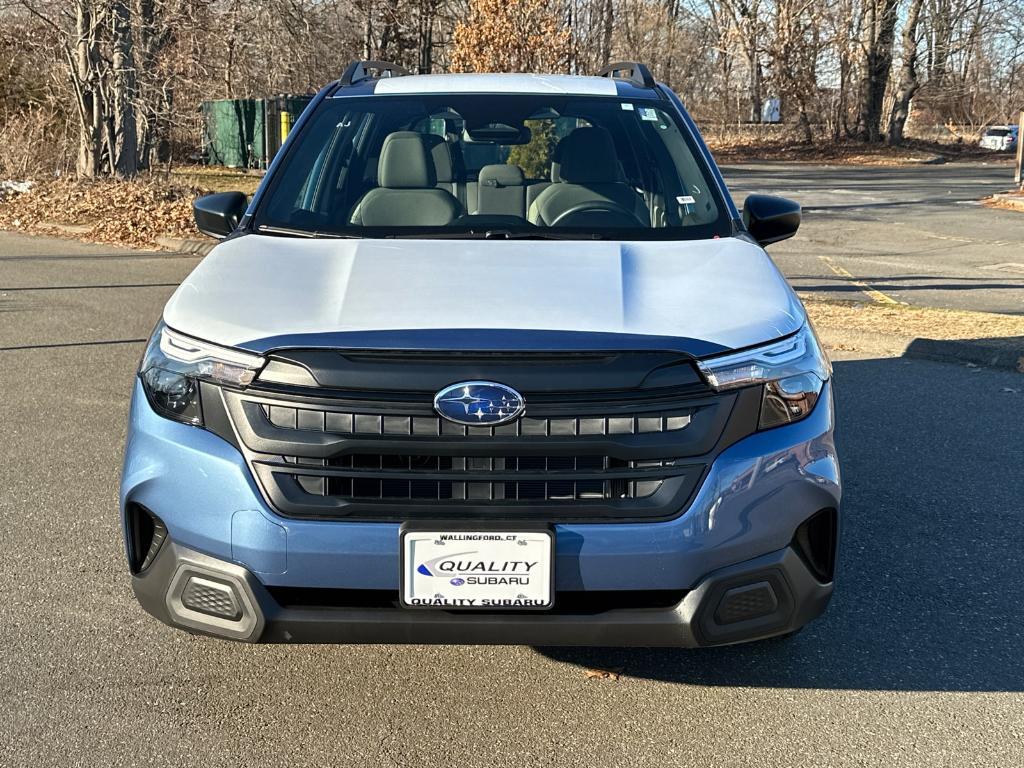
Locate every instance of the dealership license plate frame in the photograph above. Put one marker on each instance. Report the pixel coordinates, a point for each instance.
(475, 526)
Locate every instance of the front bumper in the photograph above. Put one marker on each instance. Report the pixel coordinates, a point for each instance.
(740, 525)
(780, 586)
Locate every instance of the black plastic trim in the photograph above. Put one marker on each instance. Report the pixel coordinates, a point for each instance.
(708, 419)
(146, 535)
(358, 71)
(633, 71)
(688, 623)
(586, 374)
(290, 500)
(816, 541)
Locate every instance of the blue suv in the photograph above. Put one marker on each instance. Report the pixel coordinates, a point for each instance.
(486, 359)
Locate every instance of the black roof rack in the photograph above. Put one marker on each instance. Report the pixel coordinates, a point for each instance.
(634, 71)
(362, 70)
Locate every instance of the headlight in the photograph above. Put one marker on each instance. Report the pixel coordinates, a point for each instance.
(792, 372)
(174, 364)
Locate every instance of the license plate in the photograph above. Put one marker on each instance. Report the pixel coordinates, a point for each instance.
(469, 569)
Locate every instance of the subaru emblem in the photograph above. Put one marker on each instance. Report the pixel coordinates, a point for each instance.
(479, 403)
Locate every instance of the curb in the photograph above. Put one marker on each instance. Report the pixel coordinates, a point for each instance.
(1005, 354)
(184, 245)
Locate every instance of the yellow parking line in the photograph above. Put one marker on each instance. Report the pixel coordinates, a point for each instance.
(872, 293)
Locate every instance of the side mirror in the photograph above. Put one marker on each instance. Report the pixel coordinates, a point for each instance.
(218, 215)
(770, 219)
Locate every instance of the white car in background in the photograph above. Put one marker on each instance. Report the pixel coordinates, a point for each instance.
(1002, 138)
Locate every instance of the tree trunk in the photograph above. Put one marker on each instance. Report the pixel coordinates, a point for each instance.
(85, 76)
(877, 65)
(425, 42)
(941, 23)
(125, 148)
(368, 32)
(755, 88)
(608, 18)
(229, 67)
(803, 122)
(151, 104)
(841, 127)
(909, 82)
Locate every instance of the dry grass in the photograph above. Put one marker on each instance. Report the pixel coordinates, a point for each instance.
(215, 178)
(912, 322)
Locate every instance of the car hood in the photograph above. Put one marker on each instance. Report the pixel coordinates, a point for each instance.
(260, 293)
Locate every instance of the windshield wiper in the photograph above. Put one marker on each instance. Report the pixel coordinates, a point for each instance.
(288, 232)
(489, 234)
(505, 234)
(497, 234)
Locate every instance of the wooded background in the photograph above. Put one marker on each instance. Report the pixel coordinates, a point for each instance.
(112, 87)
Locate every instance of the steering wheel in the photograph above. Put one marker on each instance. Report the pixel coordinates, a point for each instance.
(599, 214)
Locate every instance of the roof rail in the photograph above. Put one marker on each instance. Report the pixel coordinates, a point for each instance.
(361, 70)
(634, 71)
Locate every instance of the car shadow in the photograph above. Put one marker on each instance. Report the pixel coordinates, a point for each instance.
(930, 587)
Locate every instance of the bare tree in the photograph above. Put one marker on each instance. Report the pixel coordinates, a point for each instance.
(879, 32)
(908, 81)
(122, 133)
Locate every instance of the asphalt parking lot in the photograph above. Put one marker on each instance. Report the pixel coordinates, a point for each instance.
(917, 234)
(918, 662)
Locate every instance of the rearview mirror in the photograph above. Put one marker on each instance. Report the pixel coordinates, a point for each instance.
(498, 133)
(770, 219)
(218, 215)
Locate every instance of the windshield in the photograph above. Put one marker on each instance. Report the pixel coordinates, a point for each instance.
(494, 165)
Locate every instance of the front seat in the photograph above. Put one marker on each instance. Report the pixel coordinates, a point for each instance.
(407, 195)
(589, 187)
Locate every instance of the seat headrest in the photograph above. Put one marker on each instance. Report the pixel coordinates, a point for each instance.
(405, 162)
(441, 154)
(586, 156)
(501, 175)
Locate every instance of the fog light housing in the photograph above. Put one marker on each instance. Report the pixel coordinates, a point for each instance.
(214, 598)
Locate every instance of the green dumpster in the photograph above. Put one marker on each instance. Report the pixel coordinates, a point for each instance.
(246, 133)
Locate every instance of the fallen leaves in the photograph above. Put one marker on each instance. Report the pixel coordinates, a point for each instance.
(603, 674)
(776, 142)
(131, 213)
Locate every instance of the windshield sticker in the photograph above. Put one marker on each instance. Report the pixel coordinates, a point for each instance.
(648, 113)
(685, 200)
(627, 106)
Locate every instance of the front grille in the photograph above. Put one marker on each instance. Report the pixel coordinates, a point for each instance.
(582, 455)
(479, 478)
(346, 423)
